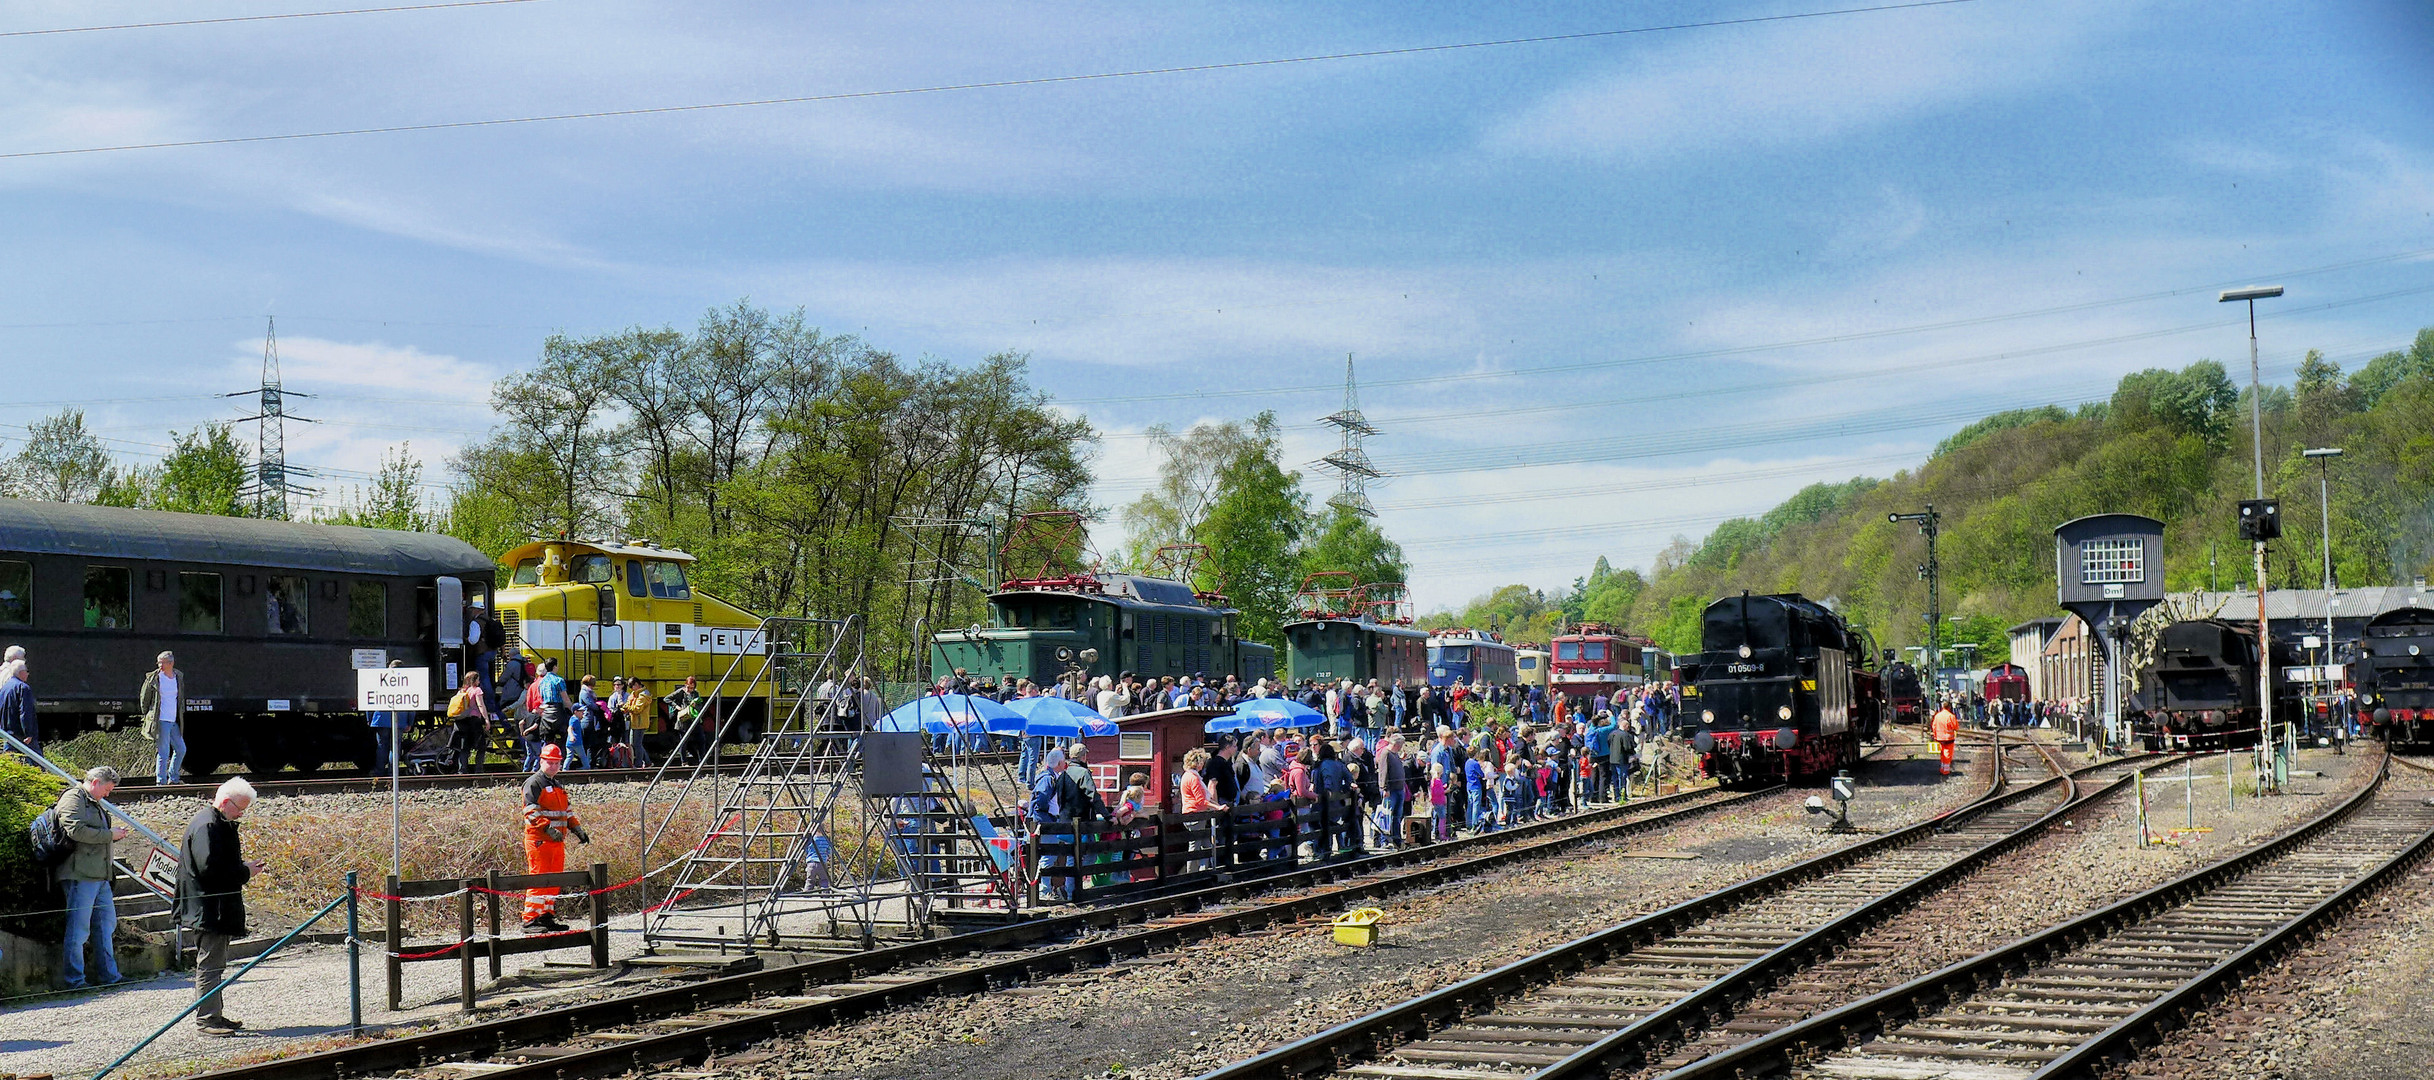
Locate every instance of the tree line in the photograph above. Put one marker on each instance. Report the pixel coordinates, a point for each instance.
(2171, 444)
(811, 474)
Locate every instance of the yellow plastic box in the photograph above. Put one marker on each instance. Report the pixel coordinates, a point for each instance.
(1358, 927)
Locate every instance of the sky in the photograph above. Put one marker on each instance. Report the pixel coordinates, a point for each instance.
(1663, 265)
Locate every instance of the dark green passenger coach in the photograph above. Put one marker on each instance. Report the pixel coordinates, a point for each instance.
(1101, 624)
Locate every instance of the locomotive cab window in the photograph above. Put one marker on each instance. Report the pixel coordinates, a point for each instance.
(367, 610)
(634, 583)
(286, 599)
(198, 603)
(109, 598)
(16, 594)
(527, 572)
(593, 570)
(668, 581)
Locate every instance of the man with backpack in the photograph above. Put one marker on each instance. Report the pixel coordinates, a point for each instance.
(83, 872)
(1056, 800)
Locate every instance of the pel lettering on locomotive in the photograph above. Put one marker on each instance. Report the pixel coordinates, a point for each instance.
(1784, 688)
(269, 620)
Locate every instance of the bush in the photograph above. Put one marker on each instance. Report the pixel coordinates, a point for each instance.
(125, 750)
(27, 898)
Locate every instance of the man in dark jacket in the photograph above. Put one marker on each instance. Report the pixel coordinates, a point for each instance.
(17, 705)
(211, 877)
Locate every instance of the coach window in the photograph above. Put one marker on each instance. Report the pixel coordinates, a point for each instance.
(368, 609)
(16, 594)
(286, 599)
(198, 603)
(109, 598)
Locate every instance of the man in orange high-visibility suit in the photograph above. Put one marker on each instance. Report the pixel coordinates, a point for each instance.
(1945, 728)
(547, 820)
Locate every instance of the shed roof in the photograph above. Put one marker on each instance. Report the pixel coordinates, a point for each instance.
(111, 532)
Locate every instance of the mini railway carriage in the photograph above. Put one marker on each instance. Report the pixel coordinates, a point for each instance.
(2202, 690)
(1101, 624)
(1775, 692)
(2392, 667)
(604, 609)
(1470, 657)
(269, 620)
(1334, 647)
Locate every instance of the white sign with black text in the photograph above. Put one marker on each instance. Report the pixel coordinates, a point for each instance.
(393, 690)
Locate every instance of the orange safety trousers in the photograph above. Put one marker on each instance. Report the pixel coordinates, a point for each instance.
(541, 856)
(1943, 750)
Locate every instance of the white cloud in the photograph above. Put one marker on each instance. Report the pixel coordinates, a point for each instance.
(1803, 81)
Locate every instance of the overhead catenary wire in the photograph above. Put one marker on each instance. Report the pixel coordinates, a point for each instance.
(273, 17)
(989, 84)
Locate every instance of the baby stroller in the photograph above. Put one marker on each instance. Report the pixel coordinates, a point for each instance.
(430, 749)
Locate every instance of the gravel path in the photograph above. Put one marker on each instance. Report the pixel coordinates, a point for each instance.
(1182, 1013)
(2351, 1005)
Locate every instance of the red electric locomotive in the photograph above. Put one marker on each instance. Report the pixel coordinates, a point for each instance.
(1593, 661)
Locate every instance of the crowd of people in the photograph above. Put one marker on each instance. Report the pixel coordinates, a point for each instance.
(1415, 764)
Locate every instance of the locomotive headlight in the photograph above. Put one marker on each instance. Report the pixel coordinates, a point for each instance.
(1707, 716)
(1783, 712)
(2412, 650)
(1745, 651)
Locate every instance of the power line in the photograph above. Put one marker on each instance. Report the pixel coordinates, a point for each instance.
(256, 18)
(993, 84)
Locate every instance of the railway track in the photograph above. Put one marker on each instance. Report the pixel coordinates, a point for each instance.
(2077, 999)
(349, 785)
(138, 789)
(690, 1022)
(1616, 999)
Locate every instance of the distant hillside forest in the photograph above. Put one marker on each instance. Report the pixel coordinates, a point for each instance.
(2173, 445)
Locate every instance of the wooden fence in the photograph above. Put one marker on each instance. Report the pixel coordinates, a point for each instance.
(1098, 859)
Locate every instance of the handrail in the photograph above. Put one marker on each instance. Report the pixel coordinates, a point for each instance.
(134, 826)
(225, 984)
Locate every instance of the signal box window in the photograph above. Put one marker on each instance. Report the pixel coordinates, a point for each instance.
(198, 603)
(2112, 562)
(285, 599)
(109, 598)
(16, 594)
(668, 581)
(593, 570)
(367, 610)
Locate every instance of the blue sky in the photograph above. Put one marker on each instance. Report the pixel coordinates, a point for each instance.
(1602, 292)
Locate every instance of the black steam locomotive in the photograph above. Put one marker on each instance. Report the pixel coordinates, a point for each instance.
(269, 620)
(2201, 692)
(1783, 687)
(1902, 689)
(2392, 667)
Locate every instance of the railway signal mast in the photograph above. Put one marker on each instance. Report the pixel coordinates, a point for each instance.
(2260, 521)
(1350, 461)
(274, 482)
(1929, 524)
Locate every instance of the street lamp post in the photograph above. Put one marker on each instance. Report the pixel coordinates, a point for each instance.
(2256, 434)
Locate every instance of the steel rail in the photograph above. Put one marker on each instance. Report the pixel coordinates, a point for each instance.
(1632, 1046)
(1377, 1033)
(1858, 1022)
(1178, 921)
(365, 785)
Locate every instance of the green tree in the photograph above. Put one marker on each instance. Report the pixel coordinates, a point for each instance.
(1191, 475)
(1253, 527)
(1347, 541)
(205, 473)
(393, 501)
(60, 462)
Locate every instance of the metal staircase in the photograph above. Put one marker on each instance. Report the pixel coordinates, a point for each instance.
(796, 851)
